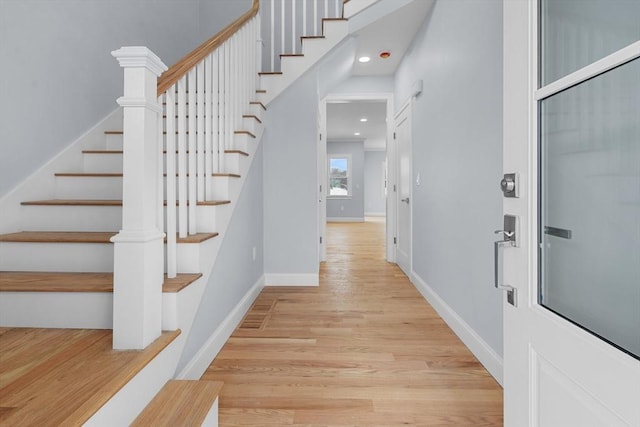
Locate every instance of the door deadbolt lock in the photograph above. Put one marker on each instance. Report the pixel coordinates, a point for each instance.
(509, 185)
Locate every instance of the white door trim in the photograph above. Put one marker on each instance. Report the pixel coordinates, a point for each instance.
(322, 172)
(408, 104)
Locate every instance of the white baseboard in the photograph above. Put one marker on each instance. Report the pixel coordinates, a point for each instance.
(480, 349)
(203, 358)
(345, 219)
(375, 214)
(291, 279)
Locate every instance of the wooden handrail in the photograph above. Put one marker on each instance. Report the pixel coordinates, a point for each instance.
(182, 67)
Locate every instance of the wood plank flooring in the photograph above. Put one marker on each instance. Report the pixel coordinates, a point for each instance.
(362, 349)
(60, 377)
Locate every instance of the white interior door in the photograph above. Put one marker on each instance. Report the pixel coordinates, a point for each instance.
(403, 193)
(572, 133)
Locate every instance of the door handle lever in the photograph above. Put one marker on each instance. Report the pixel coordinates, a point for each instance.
(405, 200)
(498, 248)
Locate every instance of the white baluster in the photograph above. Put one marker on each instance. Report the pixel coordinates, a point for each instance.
(182, 158)
(170, 160)
(326, 9)
(273, 36)
(210, 136)
(282, 27)
(218, 109)
(191, 155)
(293, 27)
(227, 97)
(315, 17)
(338, 14)
(304, 17)
(202, 177)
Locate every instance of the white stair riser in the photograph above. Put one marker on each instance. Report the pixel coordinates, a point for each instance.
(89, 187)
(113, 141)
(110, 188)
(87, 257)
(102, 163)
(77, 310)
(236, 163)
(101, 218)
(190, 255)
(210, 219)
(223, 187)
(256, 109)
(72, 218)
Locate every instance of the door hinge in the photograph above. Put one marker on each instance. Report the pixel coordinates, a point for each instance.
(320, 239)
(394, 188)
(321, 188)
(395, 240)
(394, 135)
(320, 137)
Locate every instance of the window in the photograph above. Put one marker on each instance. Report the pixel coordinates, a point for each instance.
(339, 176)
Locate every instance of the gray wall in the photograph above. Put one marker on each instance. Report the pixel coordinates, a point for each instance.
(58, 78)
(351, 207)
(375, 201)
(457, 149)
(235, 271)
(290, 164)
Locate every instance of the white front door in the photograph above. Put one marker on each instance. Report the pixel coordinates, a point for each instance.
(403, 194)
(572, 134)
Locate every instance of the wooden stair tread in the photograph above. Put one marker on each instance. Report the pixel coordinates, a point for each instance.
(258, 103)
(251, 116)
(270, 73)
(180, 402)
(89, 202)
(29, 281)
(291, 55)
(88, 175)
(242, 153)
(72, 202)
(58, 237)
(119, 175)
(244, 132)
(84, 237)
(102, 151)
(230, 175)
(64, 376)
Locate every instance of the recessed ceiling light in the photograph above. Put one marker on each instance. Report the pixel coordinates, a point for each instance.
(364, 120)
(357, 133)
(364, 59)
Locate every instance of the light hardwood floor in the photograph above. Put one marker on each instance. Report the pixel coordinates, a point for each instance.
(362, 349)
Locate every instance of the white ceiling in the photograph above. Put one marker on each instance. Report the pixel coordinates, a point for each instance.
(343, 120)
(393, 32)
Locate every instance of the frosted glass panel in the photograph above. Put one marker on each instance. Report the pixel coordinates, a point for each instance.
(590, 205)
(579, 32)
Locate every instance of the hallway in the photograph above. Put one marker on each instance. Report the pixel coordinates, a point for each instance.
(362, 349)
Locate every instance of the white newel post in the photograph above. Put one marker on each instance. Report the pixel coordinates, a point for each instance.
(138, 257)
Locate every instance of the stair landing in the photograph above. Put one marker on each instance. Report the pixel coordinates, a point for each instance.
(64, 376)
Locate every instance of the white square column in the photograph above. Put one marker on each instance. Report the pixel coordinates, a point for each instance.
(139, 254)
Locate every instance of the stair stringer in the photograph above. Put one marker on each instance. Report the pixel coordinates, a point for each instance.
(293, 67)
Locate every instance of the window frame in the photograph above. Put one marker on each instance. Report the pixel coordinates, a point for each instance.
(349, 194)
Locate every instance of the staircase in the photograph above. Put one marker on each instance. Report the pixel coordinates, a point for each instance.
(57, 268)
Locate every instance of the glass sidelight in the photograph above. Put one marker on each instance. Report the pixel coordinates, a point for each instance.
(589, 219)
